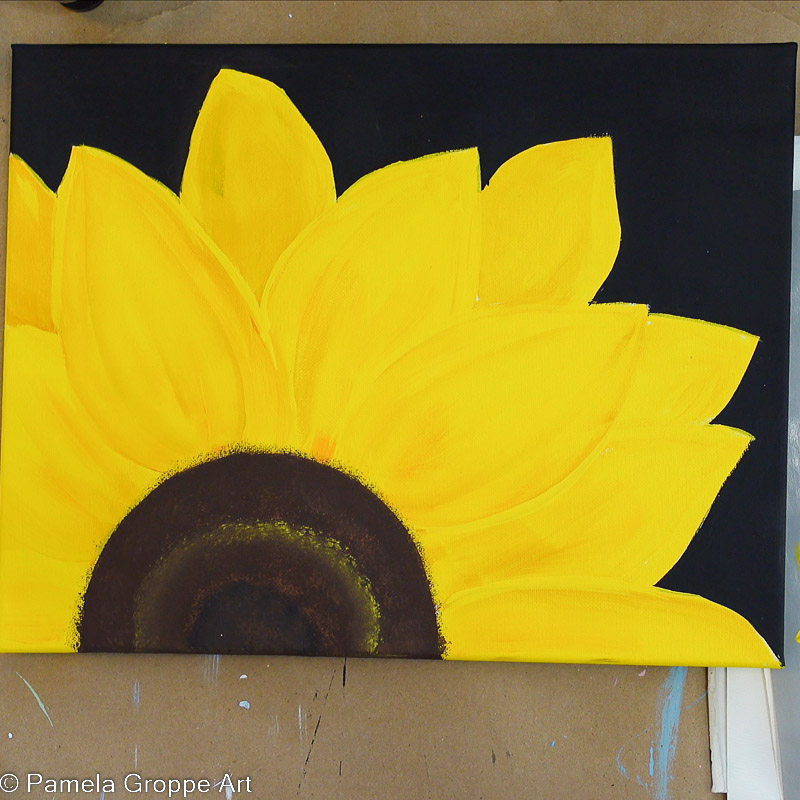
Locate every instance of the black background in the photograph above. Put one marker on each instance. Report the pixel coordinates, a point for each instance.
(703, 154)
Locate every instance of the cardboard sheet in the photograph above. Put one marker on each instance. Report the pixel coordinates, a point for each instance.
(389, 729)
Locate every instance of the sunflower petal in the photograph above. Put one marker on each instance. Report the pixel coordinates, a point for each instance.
(256, 174)
(550, 225)
(63, 488)
(493, 411)
(688, 372)
(618, 519)
(63, 491)
(579, 620)
(29, 264)
(162, 345)
(39, 601)
(384, 269)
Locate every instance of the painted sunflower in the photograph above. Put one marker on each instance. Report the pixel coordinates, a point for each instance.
(261, 418)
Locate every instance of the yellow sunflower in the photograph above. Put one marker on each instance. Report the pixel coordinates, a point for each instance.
(257, 417)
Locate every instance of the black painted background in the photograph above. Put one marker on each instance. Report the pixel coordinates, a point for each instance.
(703, 153)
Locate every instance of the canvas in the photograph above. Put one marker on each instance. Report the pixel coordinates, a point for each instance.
(441, 352)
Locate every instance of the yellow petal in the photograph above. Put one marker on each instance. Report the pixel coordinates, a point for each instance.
(29, 263)
(256, 174)
(493, 411)
(63, 487)
(550, 226)
(618, 519)
(689, 370)
(161, 342)
(382, 270)
(585, 621)
(39, 601)
(62, 492)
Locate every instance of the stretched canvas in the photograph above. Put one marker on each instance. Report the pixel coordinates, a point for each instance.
(433, 351)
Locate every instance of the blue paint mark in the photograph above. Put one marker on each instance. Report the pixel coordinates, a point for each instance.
(651, 761)
(620, 766)
(692, 705)
(622, 770)
(671, 697)
(553, 743)
(38, 699)
(135, 696)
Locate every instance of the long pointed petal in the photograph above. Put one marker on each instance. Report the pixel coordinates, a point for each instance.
(385, 268)
(493, 411)
(570, 620)
(551, 229)
(256, 174)
(618, 518)
(688, 372)
(162, 344)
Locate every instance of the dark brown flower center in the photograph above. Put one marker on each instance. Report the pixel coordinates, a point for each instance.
(260, 553)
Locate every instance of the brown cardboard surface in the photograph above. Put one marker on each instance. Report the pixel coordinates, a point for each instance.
(364, 729)
(395, 729)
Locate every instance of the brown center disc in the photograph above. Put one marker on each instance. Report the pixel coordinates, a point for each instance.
(260, 553)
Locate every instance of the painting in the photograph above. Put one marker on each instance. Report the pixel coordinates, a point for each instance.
(285, 373)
